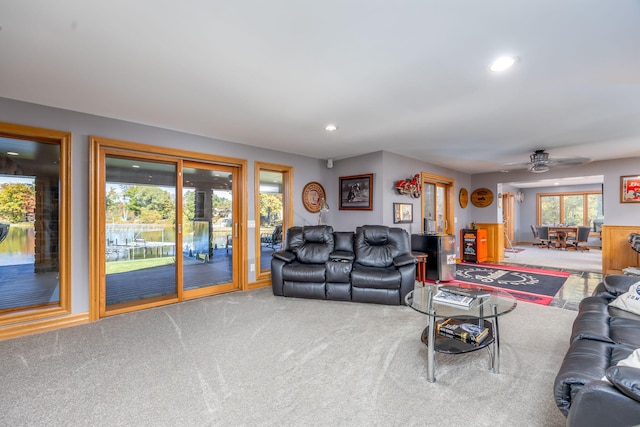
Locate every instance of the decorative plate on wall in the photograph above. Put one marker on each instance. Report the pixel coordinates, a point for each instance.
(312, 195)
(482, 197)
(463, 198)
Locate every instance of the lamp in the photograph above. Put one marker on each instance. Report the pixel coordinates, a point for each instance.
(520, 196)
(324, 208)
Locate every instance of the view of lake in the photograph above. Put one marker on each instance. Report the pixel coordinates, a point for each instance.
(18, 247)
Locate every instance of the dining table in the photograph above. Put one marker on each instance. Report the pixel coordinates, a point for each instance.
(562, 233)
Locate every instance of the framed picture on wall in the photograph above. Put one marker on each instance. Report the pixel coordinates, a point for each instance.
(356, 192)
(402, 213)
(630, 189)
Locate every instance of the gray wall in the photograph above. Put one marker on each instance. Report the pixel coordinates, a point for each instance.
(386, 167)
(615, 213)
(83, 125)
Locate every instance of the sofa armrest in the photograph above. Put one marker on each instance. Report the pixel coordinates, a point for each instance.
(402, 260)
(600, 404)
(618, 284)
(626, 379)
(284, 255)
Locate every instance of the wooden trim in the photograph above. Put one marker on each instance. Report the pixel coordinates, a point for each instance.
(259, 284)
(63, 140)
(99, 148)
(43, 325)
(616, 250)
(561, 194)
(287, 206)
(450, 198)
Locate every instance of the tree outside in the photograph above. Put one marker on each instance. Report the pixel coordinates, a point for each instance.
(270, 208)
(17, 202)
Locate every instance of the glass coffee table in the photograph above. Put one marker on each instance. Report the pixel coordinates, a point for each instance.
(484, 312)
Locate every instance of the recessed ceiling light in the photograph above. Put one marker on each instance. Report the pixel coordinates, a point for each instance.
(503, 63)
(331, 127)
(12, 153)
(135, 166)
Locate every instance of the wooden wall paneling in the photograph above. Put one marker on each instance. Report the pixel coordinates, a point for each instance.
(616, 250)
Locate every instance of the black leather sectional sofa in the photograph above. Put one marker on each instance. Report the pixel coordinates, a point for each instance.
(372, 265)
(602, 335)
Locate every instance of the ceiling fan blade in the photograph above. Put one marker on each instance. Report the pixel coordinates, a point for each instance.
(568, 161)
(541, 162)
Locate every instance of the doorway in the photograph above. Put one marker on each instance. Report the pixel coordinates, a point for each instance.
(167, 227)
(437, 205)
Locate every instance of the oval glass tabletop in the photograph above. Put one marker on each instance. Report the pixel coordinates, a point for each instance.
(491, 303)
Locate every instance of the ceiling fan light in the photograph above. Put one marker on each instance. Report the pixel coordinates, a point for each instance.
(539, 157)
(538, 168)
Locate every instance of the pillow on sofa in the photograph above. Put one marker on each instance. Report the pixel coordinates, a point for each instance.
(629, 301)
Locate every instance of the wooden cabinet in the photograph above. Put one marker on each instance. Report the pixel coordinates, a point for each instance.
(616, 250)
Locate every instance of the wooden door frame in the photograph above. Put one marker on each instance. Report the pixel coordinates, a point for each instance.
(97, 146)
(449, 184)
(508, 213)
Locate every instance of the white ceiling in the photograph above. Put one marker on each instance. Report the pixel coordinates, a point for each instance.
(408, 77)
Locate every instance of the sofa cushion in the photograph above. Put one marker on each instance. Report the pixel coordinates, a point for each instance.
(585, 361)
(626, 379)
(625, 331)
(296, 272)
(592, 321)
(629, 301)
(343, 241)
(317, 246)
(371, 246)
(374, 277)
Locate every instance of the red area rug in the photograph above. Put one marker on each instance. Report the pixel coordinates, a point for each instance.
(525, 284)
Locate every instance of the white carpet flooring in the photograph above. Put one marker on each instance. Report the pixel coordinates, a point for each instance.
(252, 359)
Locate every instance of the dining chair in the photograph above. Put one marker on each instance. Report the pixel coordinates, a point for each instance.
(543, 236)
(581, 237)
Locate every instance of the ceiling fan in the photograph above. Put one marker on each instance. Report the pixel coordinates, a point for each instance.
(540, 162)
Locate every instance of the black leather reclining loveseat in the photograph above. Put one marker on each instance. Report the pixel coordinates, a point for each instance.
(372, 265)
(602, 336)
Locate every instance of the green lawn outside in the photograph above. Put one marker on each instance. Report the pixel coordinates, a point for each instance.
(137, 264)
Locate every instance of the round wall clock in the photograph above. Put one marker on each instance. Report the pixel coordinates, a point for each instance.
(463, 197)
(482, 197)
(312, 195)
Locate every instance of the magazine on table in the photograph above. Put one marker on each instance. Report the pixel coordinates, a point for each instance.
(468, 292)
(445, 297)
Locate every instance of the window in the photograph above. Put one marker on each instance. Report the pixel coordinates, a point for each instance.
(273, 209)
(34, 223)
(575, 208)
(437, 203)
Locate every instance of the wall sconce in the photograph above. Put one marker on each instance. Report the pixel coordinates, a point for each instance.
(520, 196)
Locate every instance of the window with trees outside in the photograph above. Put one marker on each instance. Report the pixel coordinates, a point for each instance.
(273, 212)
(575, 208)
(34, 223)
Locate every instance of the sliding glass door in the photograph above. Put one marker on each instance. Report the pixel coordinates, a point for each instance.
(140, 230)
(167, 227)
(209, 227)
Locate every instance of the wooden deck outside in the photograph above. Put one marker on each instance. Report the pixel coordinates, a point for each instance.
(21, 287)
